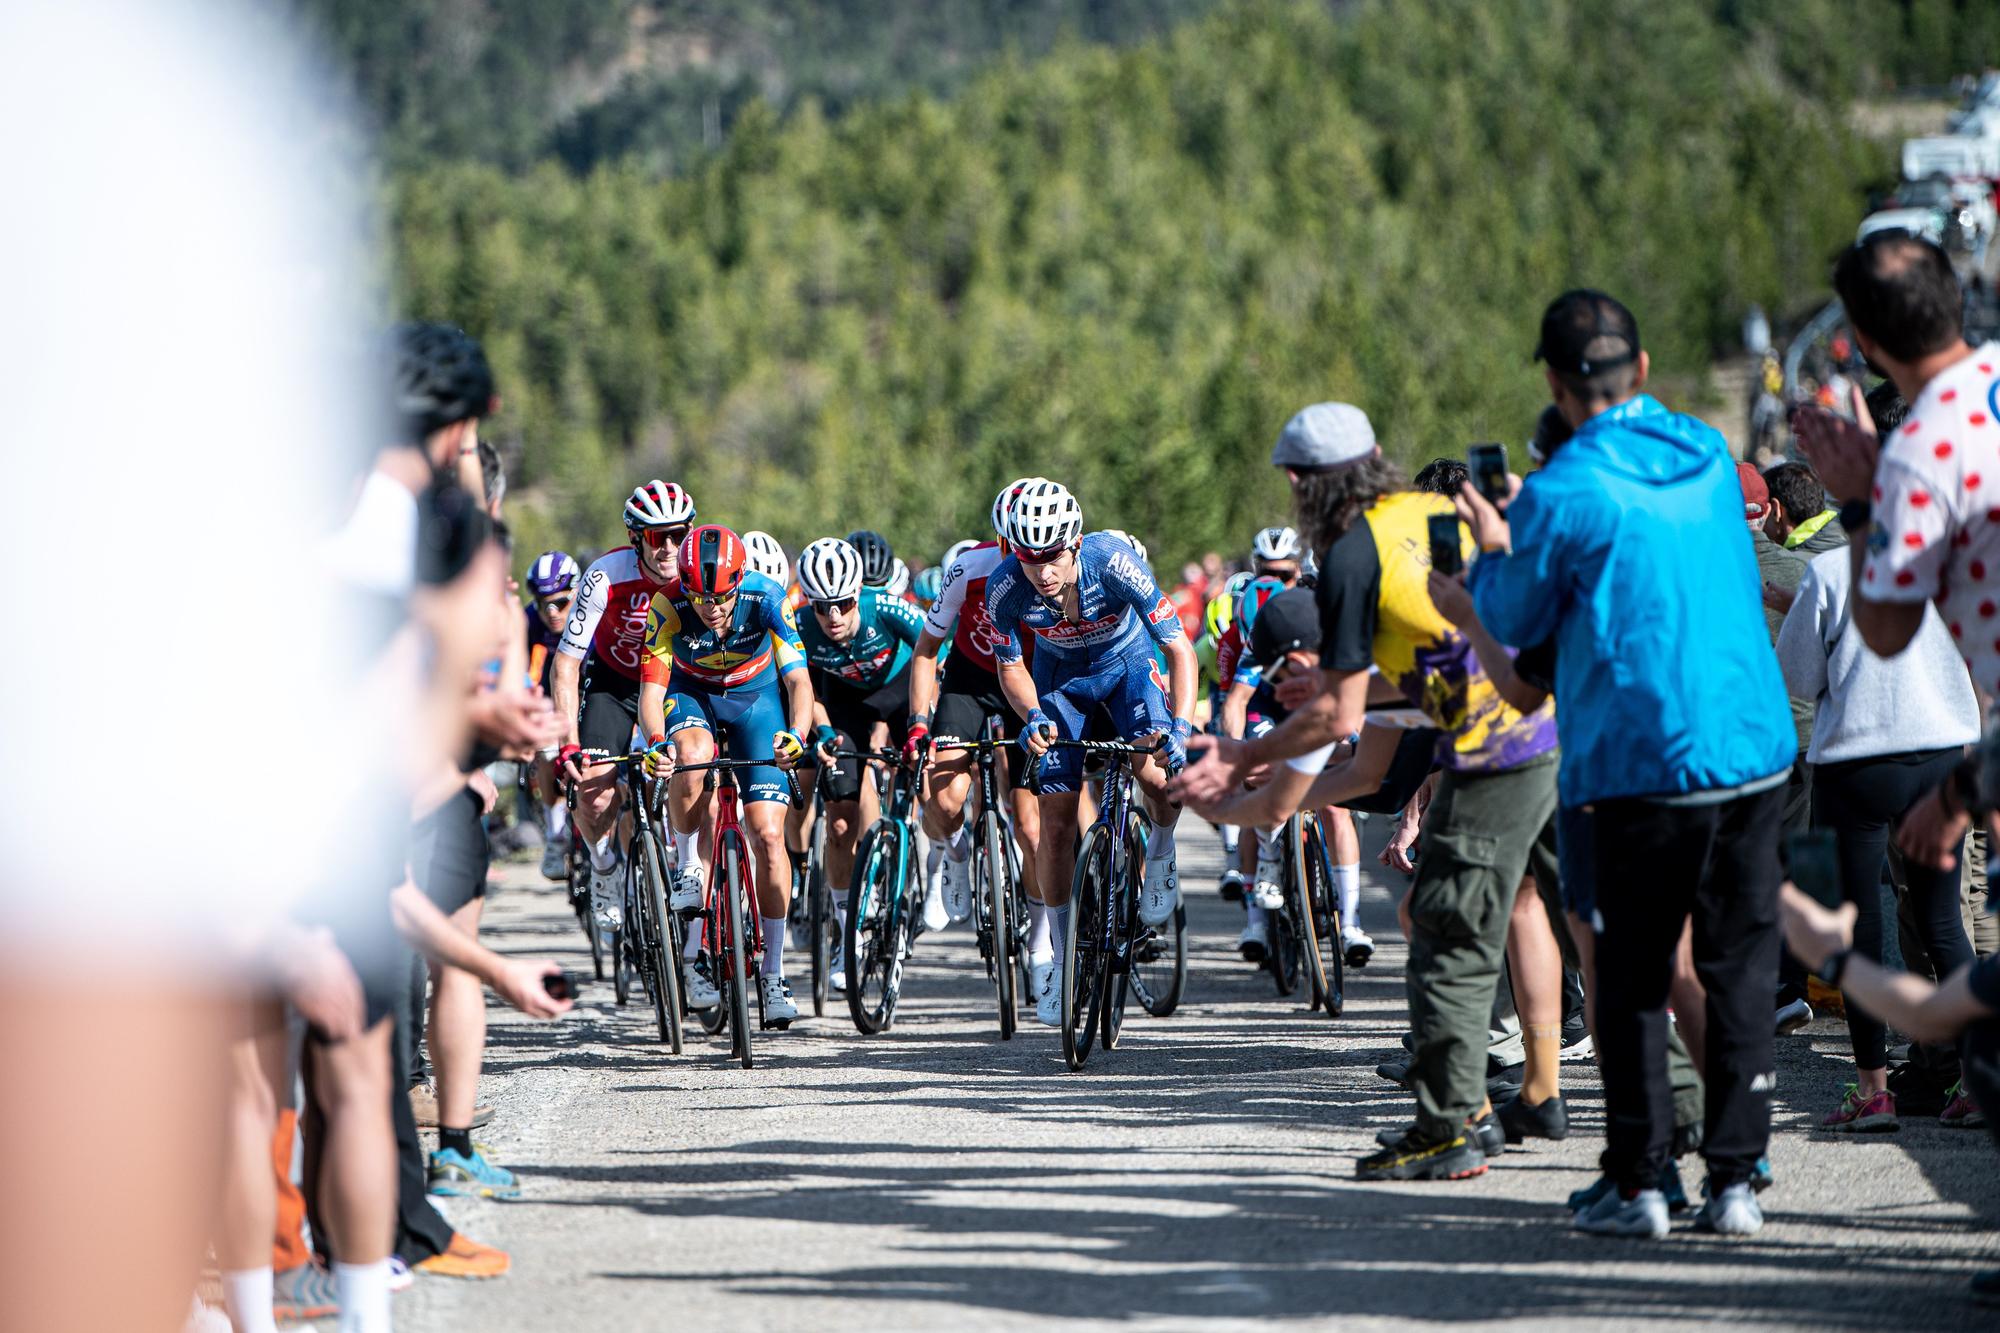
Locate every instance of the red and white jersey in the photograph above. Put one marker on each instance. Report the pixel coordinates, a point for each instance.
(959, 613)
(608, 620)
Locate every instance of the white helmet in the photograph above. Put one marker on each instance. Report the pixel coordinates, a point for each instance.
(830, 570)
(899, 578)
(1044, 516)
(1276, 544)
(658, 504)
(1003, 502)
(764, 555)
(1130, 541)
(956, 550)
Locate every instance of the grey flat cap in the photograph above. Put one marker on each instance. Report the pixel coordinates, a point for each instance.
(1322, 436)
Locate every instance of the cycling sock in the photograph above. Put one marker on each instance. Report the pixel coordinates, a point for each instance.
(1267, 849)
(1040, 950)
(933, 858)
(1543, 1077)
(246, 1299)
(1159, 839)
(1058, 929)
(558, 815)
(459, 1140)
(1259, 916)
(959, 845)
(363, 1293)
(774, 945)
(1347, 890)
(1228, 832)
(604, 853)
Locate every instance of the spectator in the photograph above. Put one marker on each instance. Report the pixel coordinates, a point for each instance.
(1619, 549)
(1800, 518)
(1888, 731)
(1922, 522)
(1442, 476)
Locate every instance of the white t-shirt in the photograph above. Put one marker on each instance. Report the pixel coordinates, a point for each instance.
(1936, 532)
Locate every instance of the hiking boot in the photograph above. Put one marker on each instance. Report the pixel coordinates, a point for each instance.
(424, 1106)
(1415, 1157)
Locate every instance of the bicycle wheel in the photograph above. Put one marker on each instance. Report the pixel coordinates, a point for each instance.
(664, 971)
(1299, 908)
(1283, 959)
(993, 874)
(579, 902)
(1326, 923)
(736, 982)
(1083, 949)
(1127, 931)
(1159, 965)
(820, 919)
(871, 929)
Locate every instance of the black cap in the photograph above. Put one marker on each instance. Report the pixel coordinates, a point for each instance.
(1288, 621)
(1585, 332)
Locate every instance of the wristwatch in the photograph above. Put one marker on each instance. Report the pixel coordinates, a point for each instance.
(1836, 963)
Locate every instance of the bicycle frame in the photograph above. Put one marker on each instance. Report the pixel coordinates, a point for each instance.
(898, 823)
(996, 902)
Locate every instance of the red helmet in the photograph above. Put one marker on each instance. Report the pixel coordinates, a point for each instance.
(712, 561)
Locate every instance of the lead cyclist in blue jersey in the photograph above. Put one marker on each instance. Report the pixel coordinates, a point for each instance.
(1095, 614)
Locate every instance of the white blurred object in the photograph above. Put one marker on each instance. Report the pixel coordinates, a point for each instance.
(183, 337)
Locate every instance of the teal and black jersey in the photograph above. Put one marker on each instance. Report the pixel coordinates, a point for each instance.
(877, 651)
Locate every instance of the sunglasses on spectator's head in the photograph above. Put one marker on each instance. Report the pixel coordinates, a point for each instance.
(836, 608)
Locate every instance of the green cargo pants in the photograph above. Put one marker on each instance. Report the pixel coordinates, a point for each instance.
(1480, 835)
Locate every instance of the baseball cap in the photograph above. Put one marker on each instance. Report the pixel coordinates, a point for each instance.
(1288, 621)
(1585, 331)
(1325, 435)
(1756, 495)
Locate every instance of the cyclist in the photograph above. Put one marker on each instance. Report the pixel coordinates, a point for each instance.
(956, 709)
(878, 562)
(857, 644)
(723, 652)
(602, 650)
(899, 580)
(552, 583)
(767, 557)
(1094, 613)
(1217, 616)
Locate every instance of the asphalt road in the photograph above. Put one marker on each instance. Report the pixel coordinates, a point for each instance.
(1200, 1175)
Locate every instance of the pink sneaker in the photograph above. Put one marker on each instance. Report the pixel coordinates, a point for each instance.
(1877, 1115)
(1960, 1111)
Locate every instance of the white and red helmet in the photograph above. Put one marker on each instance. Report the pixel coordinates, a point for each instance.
(658, 504)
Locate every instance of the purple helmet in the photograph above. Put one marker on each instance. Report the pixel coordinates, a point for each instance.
(552, 572)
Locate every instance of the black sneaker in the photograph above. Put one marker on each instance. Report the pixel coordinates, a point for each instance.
(1489, 1135)
(1576, 1044)
(1548, 1119)
(1415, 1157)
(1396, 1071)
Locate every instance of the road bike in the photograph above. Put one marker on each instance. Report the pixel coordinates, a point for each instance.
(812, 897)
(1305, 932)
(1000, 911)
(648, 944)
(1105, 932)
(579, 887)
(881, 915)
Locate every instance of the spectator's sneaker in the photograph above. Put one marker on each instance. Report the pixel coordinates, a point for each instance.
(1876, 1115)
(690, 888)
(1731, 1212)
(958, 886)
(1643, 1216)
(1414, 1157)
(305, 1292)
(1487, 1133)
(466, 1258)
(555, 859)
(1396, 1071)
(1961, 1112)
(1547, 1119)
(836, 966)
(1985, 1288)
(400, 1276)
(1761, 1178)
(1581, 1200)
(1232, 885)
(1793, 1016)
(1162, 891)
(1671, 1188)
(1255, 941)
(701, 991)
(607, 895)
(1357, 945)
(455, 1175)
(1576, 1043)
(1267, 893)
(1048, 994)
(779, 1011)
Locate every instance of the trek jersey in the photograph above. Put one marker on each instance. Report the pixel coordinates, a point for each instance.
(959, 616)
(1375, 607)
(608, 619)
(760, 642)
(879, 648)
(1120, 613)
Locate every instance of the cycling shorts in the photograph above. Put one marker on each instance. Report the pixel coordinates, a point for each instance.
(746, 719)
(1124, 700)
(609, 710)
(967, 696)
(854, 714)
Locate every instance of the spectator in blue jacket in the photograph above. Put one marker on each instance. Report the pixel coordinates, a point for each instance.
(1627, 548)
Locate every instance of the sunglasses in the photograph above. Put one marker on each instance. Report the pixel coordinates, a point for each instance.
(557, 603)
(711, 598)
(659, 538)
(839, 608)
(1049, 557)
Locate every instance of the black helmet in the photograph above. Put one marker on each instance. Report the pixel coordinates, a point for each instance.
(442, 378)
(878, 562)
